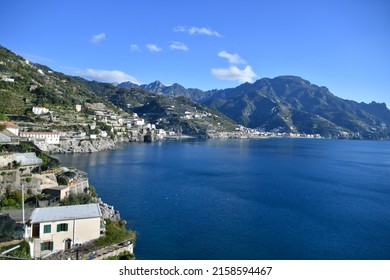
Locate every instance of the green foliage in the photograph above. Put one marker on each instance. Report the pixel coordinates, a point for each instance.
(62, 181)
(11, 198)
(3, 117)
(26, 145)
(92, 191)
(16, 164)
(2, 127)
(115, 232)
(122, 256)
(76, 199)
(22, 252)
(47, 161)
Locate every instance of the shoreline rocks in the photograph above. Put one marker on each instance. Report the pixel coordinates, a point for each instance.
(108, 211)
(82, 146)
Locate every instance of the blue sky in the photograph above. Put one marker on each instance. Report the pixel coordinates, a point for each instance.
(343, 45)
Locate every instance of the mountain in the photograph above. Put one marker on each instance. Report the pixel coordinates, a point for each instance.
(281, 104)
(178, 114)
(291, 104)
(174, 90)
(24, 84)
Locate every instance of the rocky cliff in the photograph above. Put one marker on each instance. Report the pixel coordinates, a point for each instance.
(82, 146)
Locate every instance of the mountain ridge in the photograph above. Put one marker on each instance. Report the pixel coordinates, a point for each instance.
(24, 84)
(287, 104)
(291, 104)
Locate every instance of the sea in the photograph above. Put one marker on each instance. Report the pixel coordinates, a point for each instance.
(273, 199)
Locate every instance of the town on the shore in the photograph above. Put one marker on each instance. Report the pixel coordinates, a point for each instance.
(52, 208)
(64, 131)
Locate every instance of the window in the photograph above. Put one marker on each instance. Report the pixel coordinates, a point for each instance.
(62, 227)
(48, 245)
(46, 228)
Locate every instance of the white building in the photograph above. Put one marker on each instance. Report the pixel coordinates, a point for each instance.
(47, 137)
(138, 122)
(11, 127)
(8, 79)
(103, 133)
(60, 228)
(40, 110)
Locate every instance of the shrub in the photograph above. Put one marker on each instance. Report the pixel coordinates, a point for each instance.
(76, 199)
(22, 252)
(12, 198)
(126, 255)
(92, 191)
(115, 233)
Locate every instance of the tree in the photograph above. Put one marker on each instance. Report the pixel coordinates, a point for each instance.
(4, 117)
(92, 191)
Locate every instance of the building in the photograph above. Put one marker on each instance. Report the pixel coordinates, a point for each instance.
(4, 138)
(47, 137)
(60, 228)
(40, 110)
(11, 127)
(59, 192)
(139, 122)
(8, 79)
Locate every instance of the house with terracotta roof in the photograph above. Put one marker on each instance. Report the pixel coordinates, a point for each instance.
(11, 127)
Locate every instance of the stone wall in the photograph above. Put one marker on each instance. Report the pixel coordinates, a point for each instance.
(23, 158)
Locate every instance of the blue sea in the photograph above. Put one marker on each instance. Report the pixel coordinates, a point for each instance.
(249, 199)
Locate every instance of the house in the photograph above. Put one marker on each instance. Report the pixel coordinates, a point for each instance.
(47, 137)
(4, 138)
(138, 122)
(40, 110)
(60, 192)
(11, 127)
(60, 228)
(8, 79)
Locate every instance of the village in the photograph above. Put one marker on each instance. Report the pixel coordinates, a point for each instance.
(55, 211)
(90, 128)
(53, 208)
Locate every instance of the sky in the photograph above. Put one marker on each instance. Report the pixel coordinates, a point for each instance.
(343, 45)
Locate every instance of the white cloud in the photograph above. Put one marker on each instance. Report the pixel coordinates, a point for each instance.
(153, 48)
(108, 76)
(197, 30)
(98, 37)
(233, 58)
(135, 48)
(178, 46)
(233, 73)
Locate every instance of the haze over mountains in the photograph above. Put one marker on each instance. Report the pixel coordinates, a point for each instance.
(289, 104)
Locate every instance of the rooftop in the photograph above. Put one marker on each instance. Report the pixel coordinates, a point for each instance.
(9, 124)
(39, 132)
(61, 213)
